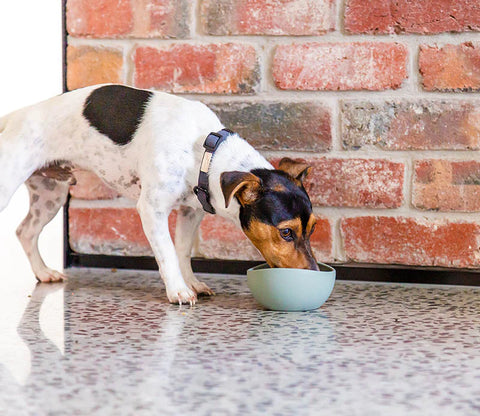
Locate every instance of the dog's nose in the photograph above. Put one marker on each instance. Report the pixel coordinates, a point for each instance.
(313, 265)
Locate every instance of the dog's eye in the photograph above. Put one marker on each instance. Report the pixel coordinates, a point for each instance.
(287, 234)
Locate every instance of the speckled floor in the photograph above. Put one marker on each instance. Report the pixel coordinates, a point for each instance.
(109, 344)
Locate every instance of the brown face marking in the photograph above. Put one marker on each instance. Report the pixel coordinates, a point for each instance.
(279, 188)
(311, 223)
(277, 251)
(297, 226)
(294, 224)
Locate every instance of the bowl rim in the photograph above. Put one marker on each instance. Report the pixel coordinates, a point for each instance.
(266, 267)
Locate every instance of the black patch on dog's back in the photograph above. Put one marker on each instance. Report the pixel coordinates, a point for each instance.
(116, 111)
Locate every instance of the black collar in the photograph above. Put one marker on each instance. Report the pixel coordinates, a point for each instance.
(211, 144)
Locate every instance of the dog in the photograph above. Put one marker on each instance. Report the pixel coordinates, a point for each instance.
(165, 152)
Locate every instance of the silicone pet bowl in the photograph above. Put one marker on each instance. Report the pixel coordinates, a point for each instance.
(291, 289)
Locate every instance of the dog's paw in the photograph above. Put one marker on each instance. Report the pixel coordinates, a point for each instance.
(198, 287)
(182, 296)
(50, 276)
(202, 289)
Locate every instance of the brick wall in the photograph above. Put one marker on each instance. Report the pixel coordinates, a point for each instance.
(379, 96)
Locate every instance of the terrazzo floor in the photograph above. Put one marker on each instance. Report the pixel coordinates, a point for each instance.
(108, 343)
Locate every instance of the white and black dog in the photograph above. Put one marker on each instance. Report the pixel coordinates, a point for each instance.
(157, 149)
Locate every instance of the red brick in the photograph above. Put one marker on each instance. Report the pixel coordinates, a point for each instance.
(322, 240)
(212, 68)
(401, 240)
(162, 18)
(340, 66)
(101, 18)
(88, 65)
(407, 16)
(268, 17)
(112, 231)
(221, 239)
(279, 125)
(451, 67)
(89, 186)
(406, 125)
(123, 18)
(445, 185)
(373, 183)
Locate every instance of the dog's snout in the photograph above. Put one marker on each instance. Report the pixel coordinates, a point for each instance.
(314, 266)
(312, 262)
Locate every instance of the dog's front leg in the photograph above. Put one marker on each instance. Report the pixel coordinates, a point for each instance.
(155, 226)
(188, 220)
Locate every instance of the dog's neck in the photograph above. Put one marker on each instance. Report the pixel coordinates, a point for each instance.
(234, 154)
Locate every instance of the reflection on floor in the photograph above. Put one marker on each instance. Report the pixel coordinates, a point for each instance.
(108, 343)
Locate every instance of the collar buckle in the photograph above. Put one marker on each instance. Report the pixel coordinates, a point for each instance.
(211, 144)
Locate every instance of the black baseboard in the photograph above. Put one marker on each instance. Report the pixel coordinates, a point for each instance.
(199, 265)
(355, 272)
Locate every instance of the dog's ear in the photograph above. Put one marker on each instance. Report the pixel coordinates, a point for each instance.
(244, 185)
(296, 169)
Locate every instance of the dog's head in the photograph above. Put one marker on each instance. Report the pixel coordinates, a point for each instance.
(275, 212)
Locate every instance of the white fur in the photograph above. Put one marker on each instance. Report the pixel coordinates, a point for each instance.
(165, 154)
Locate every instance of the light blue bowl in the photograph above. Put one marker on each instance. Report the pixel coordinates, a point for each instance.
(291, 289)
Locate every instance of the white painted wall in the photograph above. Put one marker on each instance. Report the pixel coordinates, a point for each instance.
(30, 71)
